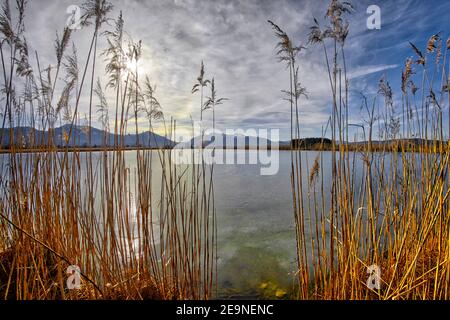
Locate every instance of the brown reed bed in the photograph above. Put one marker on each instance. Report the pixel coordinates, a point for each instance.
(394, 215)
(63, 206)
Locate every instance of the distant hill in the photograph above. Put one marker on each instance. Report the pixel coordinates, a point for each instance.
(223, 141)
(413, 144)
(307, 144)
(30, 137)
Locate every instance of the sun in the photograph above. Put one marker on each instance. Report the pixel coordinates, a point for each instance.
(132, 65)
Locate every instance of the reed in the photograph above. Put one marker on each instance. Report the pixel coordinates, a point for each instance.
(394, 213)
(131, 236)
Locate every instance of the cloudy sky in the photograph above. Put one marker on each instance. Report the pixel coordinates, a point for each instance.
(237, 46)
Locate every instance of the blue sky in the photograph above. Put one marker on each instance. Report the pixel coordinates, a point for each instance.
(237, 46)
(402, 22)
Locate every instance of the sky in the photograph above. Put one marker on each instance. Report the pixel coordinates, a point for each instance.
(237, 46)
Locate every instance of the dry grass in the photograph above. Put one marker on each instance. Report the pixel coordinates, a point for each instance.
(62, 207)
(395, 213)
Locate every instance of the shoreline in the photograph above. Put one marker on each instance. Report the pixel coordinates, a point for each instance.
(421, 149)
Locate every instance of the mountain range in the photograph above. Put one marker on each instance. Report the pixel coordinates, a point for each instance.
(30, 137)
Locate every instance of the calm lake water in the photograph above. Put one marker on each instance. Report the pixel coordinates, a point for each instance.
(256, 232)
(256, 235)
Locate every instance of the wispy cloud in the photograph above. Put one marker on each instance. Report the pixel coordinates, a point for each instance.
(366, 70)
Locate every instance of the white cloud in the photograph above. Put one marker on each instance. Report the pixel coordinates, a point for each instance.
(238, 48)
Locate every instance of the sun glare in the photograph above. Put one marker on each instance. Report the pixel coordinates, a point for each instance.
(132, 65)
